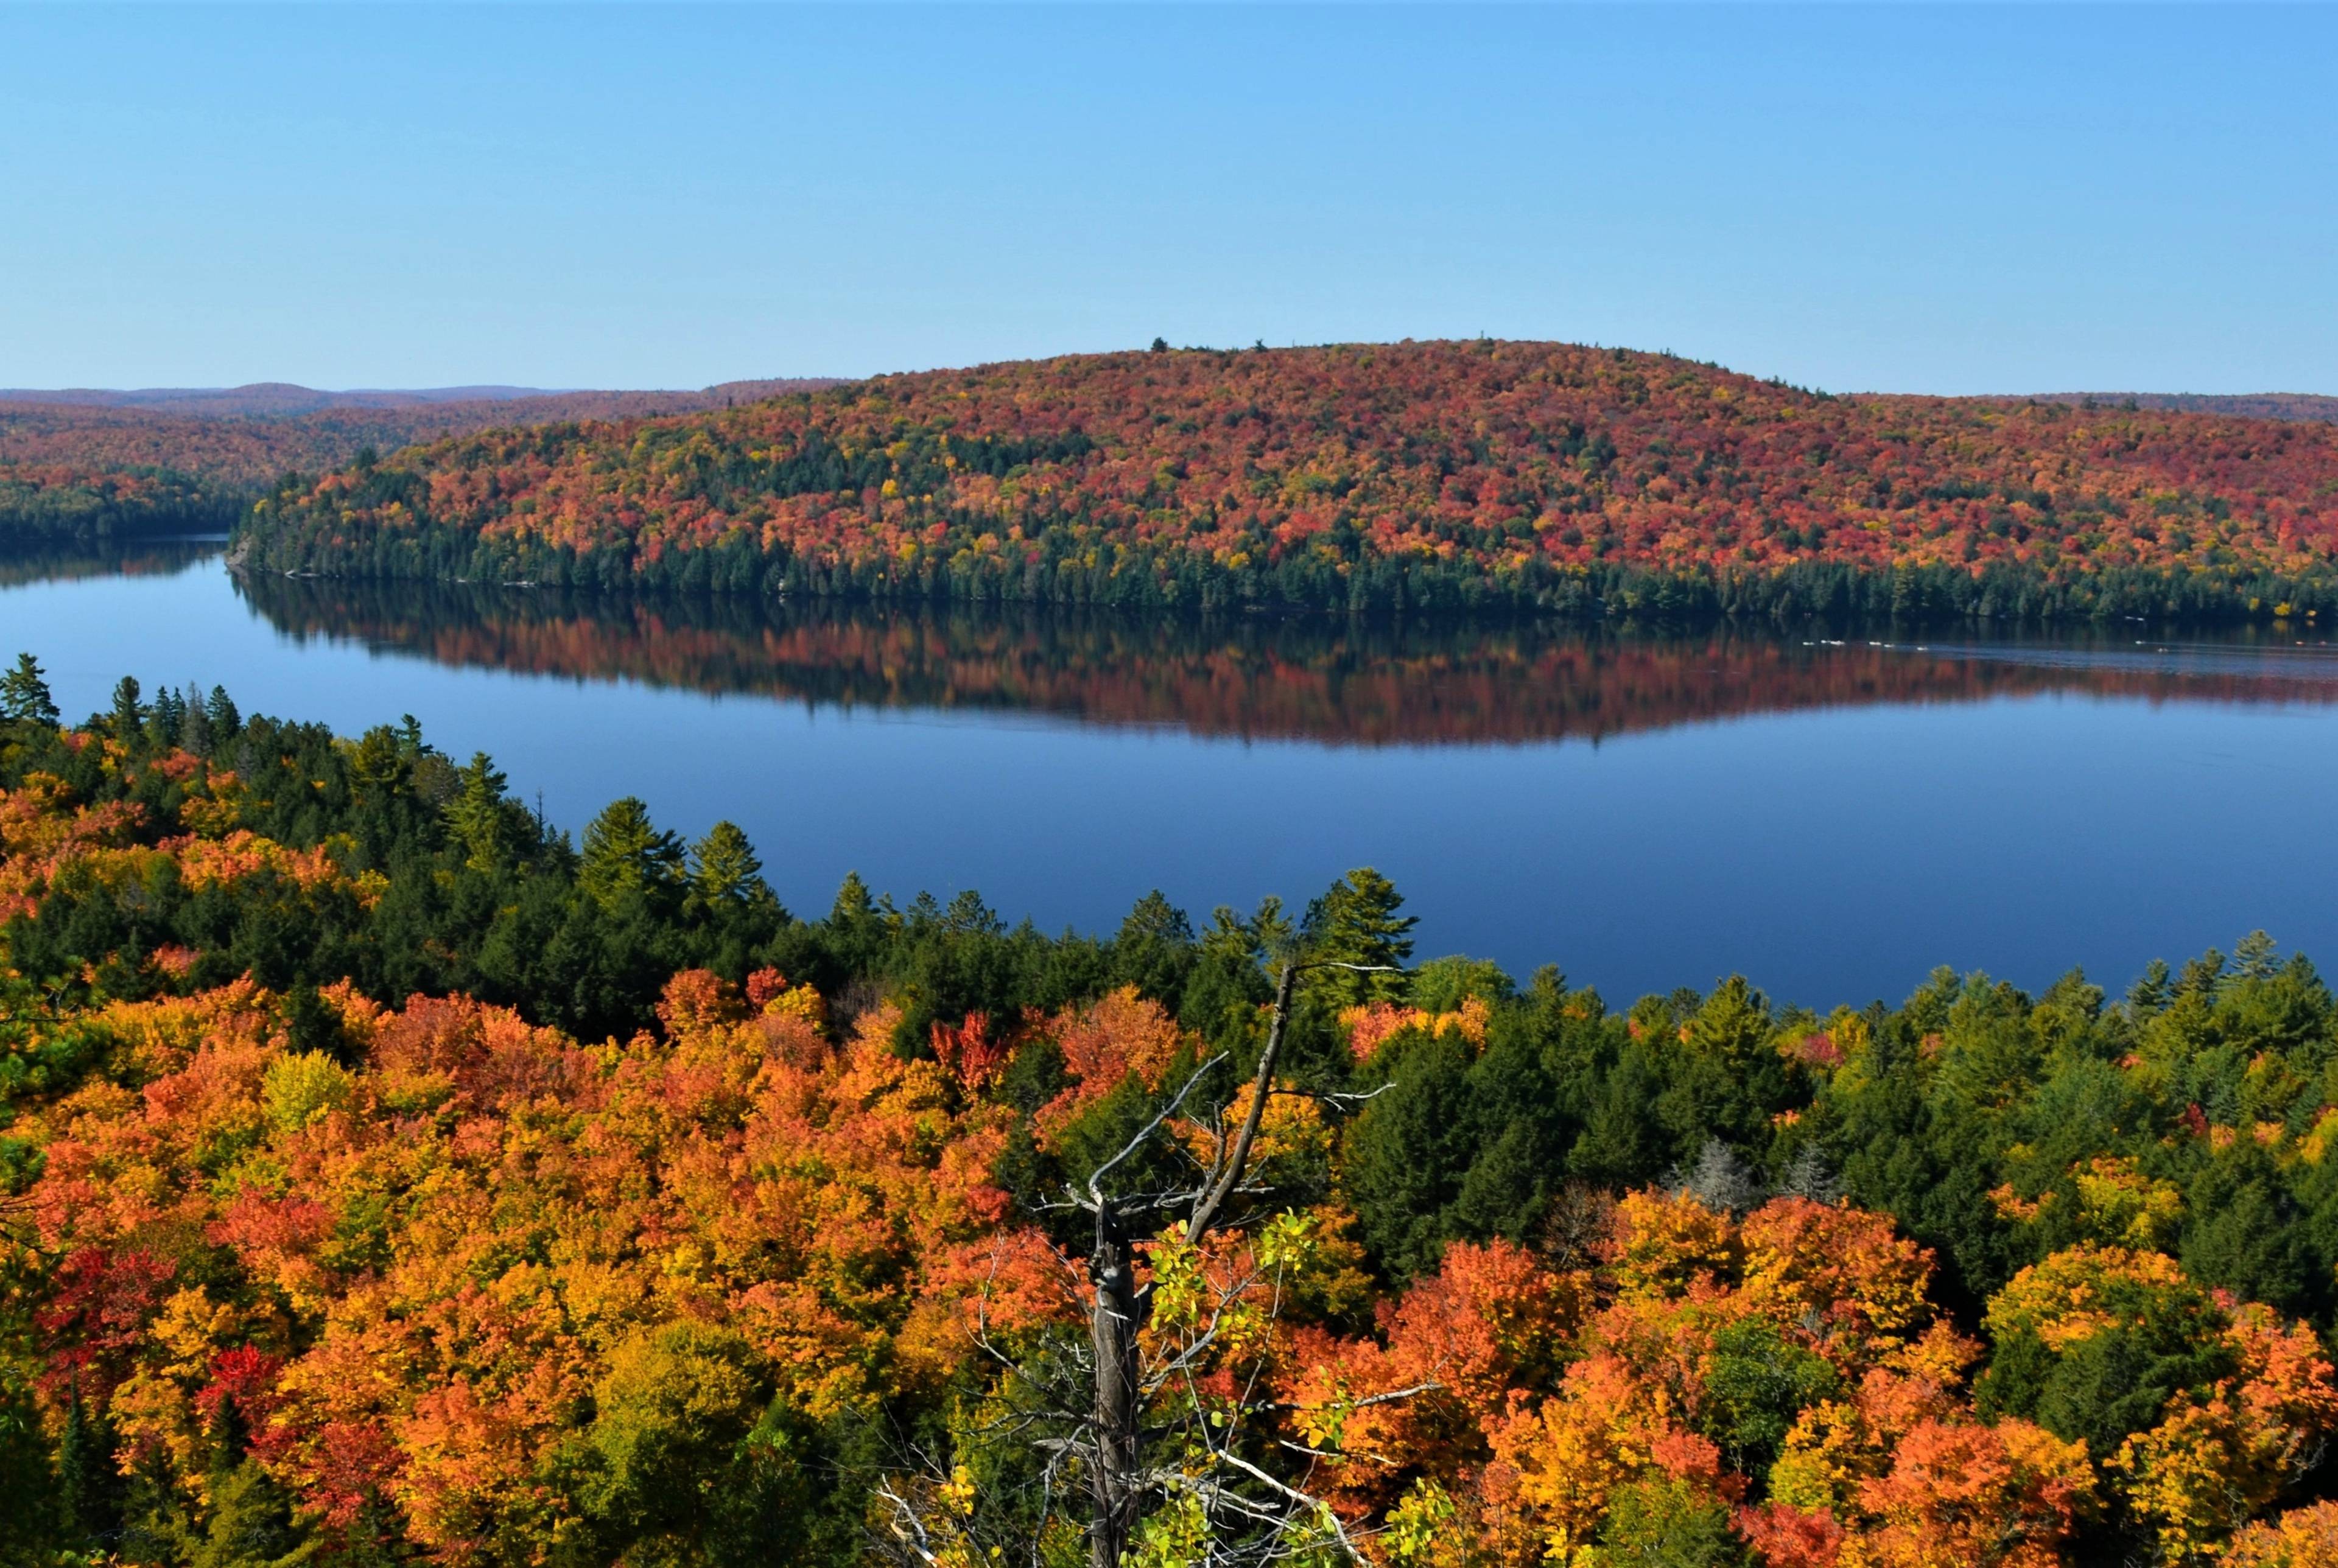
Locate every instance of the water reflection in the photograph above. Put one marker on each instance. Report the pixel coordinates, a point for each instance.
(2018, 805)
(1319, 679)
(21, 565)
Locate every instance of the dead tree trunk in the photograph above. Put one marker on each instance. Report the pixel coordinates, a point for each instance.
(1116, 1483)
(1113, 1326)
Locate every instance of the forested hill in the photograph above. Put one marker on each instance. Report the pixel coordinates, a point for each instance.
(1414, 474)
(78, 465)
(2239, 405)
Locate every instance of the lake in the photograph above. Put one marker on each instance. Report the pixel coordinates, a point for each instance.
(1832, 818)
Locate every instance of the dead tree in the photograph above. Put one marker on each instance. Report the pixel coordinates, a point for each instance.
(1089, 1411)
(1118, 1482)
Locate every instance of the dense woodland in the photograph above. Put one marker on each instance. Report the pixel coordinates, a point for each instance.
(49, 504)
(92, 465)
(386, 1178)
(1408, 475)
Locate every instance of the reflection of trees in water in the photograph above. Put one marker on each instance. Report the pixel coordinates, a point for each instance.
(1317, 678)
(27, 563)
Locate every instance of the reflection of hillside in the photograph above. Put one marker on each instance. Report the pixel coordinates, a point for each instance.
(1316, 679)
(21, 564)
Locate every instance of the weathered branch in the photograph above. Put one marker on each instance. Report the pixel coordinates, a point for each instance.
(1207, 1212)
(1095, 1177)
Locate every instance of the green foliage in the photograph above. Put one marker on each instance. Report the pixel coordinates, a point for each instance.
(1434, 476)
(30, 1497)
(690, 1462)
(1668, 1523)
(1758, 1382)
(1356, 922)
(477, 818)
(250, 1523)
(723, 870)
(626, 856)
(298, 1089)
(25, 696)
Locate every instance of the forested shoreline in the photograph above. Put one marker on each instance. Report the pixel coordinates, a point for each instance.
(386, 1178)
(48, 505)
(85, 468)
(1411, 477)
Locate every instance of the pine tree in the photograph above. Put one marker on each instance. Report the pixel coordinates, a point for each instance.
(167, 718)
(475, 817)
(89, 1484)
(1356, 922)
(220, 709)
(195, 729)
(129, 715)
(723, 870)
(154, 1523)
(25, 693)
(626, 854)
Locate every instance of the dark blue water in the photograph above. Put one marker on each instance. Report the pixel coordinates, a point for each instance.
(1832, 821)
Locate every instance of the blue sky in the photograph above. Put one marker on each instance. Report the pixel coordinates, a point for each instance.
(1960, 200)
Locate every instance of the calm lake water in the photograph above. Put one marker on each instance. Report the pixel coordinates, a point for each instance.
(1832, 819)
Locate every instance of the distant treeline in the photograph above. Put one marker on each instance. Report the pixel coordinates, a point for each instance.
(1419, 477)
(1136, 577)
(97, 466)
(43, 504)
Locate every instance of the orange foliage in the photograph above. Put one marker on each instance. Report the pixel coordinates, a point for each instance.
(1492, 459)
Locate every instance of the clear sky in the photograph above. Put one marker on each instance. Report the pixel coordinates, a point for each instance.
(1961, 200)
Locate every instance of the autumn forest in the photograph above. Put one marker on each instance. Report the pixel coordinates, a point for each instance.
(386, 1178)
(389, 1177)
(1370, 477)
(1410, 476)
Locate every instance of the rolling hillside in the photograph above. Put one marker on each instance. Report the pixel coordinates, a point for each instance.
(88, 464)
(1419, 475)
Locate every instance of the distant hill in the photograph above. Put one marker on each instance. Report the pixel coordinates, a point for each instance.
(83, 463)
(276, 398)
(263, 397)
(1409, 474)
(2240, 405)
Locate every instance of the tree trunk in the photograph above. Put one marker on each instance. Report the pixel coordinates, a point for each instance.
(1112, 1326)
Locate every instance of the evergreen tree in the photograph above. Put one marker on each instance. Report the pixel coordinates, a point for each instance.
(25, 693)
(220, 710)
(1356, 922)
(155, 1527)
(128, 715)
(29, 1505)
(626, 854)
(723, 870)
(195, 729)
(476, 819)
(168, 717)
(89, 1484)
(250, 1523)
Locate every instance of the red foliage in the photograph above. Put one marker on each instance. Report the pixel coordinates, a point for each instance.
(1487, 457)
(98, 1306)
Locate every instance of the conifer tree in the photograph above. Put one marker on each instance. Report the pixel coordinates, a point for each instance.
(1356, 922)
(25, 693)
(129, 714)
(89, 1485)
(476, 817)
(220, 709)
(626, 853)
(723, 869)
